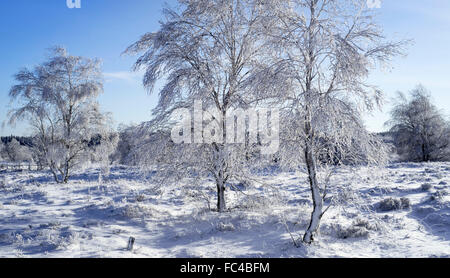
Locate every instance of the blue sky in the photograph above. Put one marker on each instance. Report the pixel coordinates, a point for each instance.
(104, 28)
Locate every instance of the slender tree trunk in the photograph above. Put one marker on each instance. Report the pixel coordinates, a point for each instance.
(220, 179)
(221, 205)
(55, 176)
(66, 178)
(310, 161)
(316, 197)
(426, 152)
(66, 173)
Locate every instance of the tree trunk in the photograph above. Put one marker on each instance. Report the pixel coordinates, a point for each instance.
(310, 161)
(221, 205)
(316, 197)
(55, 176)
(62, 177)
(66, 178)
(221, 166)
(424, 158)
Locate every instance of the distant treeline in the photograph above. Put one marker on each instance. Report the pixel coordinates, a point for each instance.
(24, 141)
(28, 141)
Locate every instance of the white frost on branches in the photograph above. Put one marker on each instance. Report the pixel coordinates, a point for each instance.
(323, 52)
(420, 131)
(58, 98)
(209, 52)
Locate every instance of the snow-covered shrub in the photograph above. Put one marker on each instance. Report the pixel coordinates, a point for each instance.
(360, 228)
(92, 223)
(352, 232)
(51, 225)
(255, 203)
(345, 196)
(406, 203)
(426, 187)
(390, 204)
(439, 195)
(140, 198)
(225, 227)
(365, 223)
(134, 211)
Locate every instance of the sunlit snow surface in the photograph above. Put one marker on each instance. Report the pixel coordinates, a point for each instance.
(88, 218)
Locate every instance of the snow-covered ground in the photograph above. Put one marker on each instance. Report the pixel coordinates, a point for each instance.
(88, 218)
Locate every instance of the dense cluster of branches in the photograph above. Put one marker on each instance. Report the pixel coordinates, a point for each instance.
(419, 129)
(325, 52)
(207, 52)
(309, 58)
(58, 98)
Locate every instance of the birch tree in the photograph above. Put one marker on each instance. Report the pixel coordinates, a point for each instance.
(326, 50)
(58, 98)
(207, 51)
(421, 133)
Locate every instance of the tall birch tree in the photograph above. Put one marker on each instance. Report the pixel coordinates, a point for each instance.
(58, 98)
(206, 51)
(326, 49)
